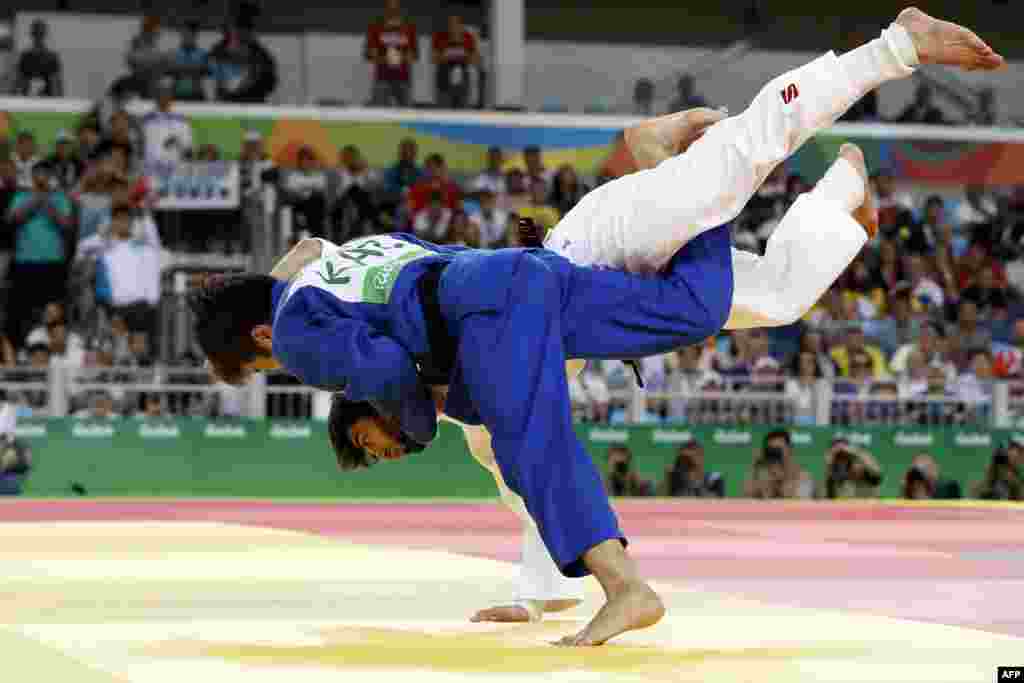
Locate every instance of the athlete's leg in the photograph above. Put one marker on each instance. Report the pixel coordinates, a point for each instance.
(639, 221)
(814, 243)
(524, 402)
(540, 582)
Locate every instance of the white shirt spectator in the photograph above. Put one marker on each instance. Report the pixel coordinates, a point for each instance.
(366, 179)
(168, 136)
(304, 184)
(491, 226)
(24, 169)
(432, 224)
(131, 271)
(928, 289)
(495, 182)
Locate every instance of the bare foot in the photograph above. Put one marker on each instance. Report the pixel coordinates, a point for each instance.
(655, 140)
(867, 213)
(636, 606)
(942, 42)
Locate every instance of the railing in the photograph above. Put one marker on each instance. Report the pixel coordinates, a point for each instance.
(60, 389)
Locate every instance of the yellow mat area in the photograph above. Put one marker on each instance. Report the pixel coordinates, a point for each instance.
(99, 602)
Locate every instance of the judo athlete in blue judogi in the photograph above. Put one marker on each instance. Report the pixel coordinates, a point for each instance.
(384, 320)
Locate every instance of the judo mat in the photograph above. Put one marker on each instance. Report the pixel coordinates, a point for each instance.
(254, 591)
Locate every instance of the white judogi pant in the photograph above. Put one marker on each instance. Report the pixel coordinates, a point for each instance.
(638, 222)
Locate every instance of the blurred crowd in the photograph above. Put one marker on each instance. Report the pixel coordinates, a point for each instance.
(849, 471)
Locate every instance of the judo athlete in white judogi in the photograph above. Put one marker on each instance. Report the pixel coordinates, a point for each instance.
(698, 169)
(697, 173)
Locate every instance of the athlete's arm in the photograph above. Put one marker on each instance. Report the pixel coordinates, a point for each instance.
(330, 351)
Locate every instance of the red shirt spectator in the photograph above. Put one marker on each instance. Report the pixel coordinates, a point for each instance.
(391, 45)
(455, 49)
(437, 180)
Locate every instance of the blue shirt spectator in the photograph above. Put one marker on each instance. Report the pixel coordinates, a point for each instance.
(40, 237)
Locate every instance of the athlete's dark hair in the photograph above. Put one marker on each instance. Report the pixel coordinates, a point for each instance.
(226, 310)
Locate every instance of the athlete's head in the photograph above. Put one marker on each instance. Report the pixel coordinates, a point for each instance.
(233, 324)
(360, 435)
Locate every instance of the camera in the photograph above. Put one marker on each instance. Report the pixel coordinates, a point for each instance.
(1001, 457)
(773, 455)
(842, 461)
(916, 474)
(622, 468)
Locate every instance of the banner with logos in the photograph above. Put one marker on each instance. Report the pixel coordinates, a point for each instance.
(952, 156)
(196, 457)
(195, 185)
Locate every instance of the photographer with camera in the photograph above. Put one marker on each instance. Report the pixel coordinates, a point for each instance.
(851, 472)
(923, 481)
(1002, 479)
(776, 474)
(622, 479)
(15, 457)
(686, 476)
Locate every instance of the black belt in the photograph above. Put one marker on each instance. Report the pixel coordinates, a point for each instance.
(435, 367)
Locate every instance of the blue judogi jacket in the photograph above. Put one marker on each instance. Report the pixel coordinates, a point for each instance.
(353, 322)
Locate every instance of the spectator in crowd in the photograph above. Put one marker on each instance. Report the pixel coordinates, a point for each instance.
(463, 232)
(39, 72)
(454, 51)
(899, 326)
(801, 389)
(244, 71)
(42, 219)
(305, 190)
(687, 96)
(25, 159)
(490, 221)
(355, 185)
(683, 381)
(190, 67)
(929, 344)
(1002, 479)
(431, 223)
(152, 408)
(54, 314)
(8, 189)
(67, 166)
(517, 191)
(895, 208)
(536, 172)
(405, 172)
(543, 214)
(253, 163)
(392, 47)
(128, 275)
(622, 479)
(922, 109)
(968, 333)
(589, 395)
(146, 62)
(813, 342)
(436, 181)
(88, 137)
(851, 472)
(566, 190)
(687, 477)
(643, 98)
(101, 408)
(856, 342)
(925, 290)
(167, 134)
(776, 474)
(492, 178)
(975, 383)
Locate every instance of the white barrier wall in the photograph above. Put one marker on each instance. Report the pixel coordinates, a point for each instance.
(317, 66)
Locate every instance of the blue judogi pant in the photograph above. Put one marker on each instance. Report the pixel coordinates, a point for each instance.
(518, 315)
